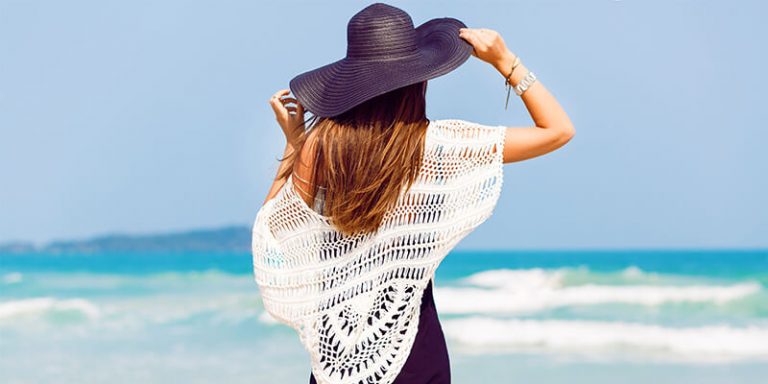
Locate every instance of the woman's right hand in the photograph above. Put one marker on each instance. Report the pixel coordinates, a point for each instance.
(487, 46)
(553, 126)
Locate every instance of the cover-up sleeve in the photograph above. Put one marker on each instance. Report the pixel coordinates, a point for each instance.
(472, 165)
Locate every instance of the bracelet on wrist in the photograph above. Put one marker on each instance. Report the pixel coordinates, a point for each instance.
(507, 82)
(515, 64)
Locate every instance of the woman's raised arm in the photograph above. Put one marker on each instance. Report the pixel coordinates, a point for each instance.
(552, 129)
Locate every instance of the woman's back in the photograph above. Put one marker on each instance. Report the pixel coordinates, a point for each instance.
(356, 300)
(428, 360)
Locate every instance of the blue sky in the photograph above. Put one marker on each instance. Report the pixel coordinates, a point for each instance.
(144, 116)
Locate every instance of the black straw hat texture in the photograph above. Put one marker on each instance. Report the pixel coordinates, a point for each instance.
(384, 52)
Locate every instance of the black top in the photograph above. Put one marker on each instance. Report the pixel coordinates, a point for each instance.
(428, 361)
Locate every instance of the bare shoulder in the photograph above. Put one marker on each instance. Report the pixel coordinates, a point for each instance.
(304, 167)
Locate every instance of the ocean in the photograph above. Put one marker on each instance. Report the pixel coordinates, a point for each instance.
(608, 316)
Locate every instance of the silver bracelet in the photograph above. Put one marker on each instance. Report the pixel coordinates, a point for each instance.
(525, 83)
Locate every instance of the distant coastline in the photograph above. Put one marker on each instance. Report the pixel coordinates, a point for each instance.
(230, 238)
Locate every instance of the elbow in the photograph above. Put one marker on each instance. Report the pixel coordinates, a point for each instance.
(567, 133)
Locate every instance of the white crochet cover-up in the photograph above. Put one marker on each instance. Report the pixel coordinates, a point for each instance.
(355, 300)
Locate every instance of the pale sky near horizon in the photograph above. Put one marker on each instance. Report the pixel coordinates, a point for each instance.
(141, 117)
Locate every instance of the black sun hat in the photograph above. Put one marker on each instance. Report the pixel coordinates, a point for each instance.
(384, 52)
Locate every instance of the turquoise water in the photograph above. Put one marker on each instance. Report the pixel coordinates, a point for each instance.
(543, 317)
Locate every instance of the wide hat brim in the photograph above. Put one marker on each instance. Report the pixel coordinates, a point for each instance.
(339, 86)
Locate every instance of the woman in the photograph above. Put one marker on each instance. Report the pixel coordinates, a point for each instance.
(371, 195)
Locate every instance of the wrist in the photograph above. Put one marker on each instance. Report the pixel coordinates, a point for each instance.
(518, 75)
(504, 64)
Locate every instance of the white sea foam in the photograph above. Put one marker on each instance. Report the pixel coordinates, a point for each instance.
(713, 343)
(47, 305)
(524, 291)
(133, 313)
(512, 279)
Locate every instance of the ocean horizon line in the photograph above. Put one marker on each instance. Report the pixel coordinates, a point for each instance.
(237, 238)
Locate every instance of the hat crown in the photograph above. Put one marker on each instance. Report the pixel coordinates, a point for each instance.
(381, 32)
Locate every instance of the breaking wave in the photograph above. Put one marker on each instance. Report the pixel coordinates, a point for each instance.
(712, 343)
(532, 290)
(47, 307)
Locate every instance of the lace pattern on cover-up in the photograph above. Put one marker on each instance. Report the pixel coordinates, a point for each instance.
(355, 300)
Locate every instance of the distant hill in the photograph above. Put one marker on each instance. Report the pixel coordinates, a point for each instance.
(231, 238)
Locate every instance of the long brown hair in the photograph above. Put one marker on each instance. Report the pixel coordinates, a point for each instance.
(363, 158)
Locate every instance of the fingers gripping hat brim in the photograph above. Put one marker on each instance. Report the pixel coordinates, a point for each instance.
(339, 86)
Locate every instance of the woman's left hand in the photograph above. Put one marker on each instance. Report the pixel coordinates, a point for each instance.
(290, 118)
